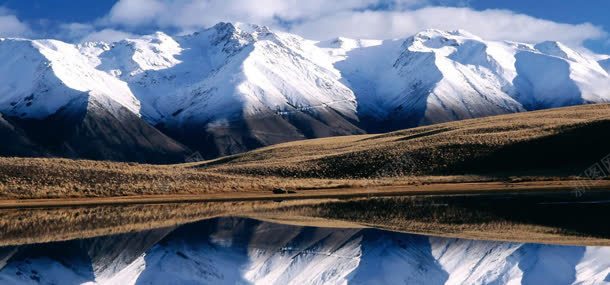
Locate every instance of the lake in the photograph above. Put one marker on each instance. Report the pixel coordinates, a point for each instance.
(234, 250)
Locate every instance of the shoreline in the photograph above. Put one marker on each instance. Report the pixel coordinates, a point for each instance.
(440, 189)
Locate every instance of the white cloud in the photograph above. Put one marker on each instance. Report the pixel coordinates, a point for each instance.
(323, 19)
(11, 26)
(74, 31)
(489, 24)
(79, 32)
(203, 13)
(107, 35)
(137, 12)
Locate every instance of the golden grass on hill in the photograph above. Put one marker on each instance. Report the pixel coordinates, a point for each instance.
(438, 149)
(552, 144)
(23, 178)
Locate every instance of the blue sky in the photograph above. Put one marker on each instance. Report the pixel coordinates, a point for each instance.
(565, 11)
(575, 22)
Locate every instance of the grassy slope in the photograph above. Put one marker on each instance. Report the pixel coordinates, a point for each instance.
(552, 143)
(556, 142)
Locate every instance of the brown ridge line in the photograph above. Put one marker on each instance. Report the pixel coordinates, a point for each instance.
(381, 191)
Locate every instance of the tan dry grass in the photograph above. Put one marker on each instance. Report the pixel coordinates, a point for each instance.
(26, 226)
(24, 178)
(418, 151)
(437, 216)
(417, 156)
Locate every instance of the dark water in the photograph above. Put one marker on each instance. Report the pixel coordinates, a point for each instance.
(244, 251)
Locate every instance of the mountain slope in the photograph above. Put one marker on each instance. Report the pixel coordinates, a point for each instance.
(227, 89)
(92, 131)
(39, 77)
(232, 88)
(558, 142)
(235, 87)
(14, 142)
(552, 75)
(67, 108)
(546, 145)
(437, 76)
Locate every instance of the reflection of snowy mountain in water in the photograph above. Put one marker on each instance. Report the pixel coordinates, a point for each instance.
(242, 251)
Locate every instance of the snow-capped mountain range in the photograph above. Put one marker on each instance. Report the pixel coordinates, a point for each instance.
(243, 251)
(234, 87)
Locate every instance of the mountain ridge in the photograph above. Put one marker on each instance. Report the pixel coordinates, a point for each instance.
(235, 87)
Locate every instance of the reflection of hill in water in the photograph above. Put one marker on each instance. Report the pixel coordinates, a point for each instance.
(556, 217)
(236, 250)
(26, 226)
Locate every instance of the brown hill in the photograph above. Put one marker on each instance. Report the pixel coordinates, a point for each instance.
(545, 145)
(557, 142)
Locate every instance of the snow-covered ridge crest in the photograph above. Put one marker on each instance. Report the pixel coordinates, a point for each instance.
(234, 71)
(41, 76)
(437, 76)
(151, 52)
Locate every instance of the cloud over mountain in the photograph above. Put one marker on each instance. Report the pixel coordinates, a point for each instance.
(10, 25)
(318, 19)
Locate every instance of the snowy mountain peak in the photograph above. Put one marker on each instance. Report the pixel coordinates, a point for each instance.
(436, 33)
(130, 57)
(160, 35)
(338, 48)
(41, 76)
(277, 86)
(437, 39)
(437, 76)
(252, 29)
(238, 32)
(558, 49)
